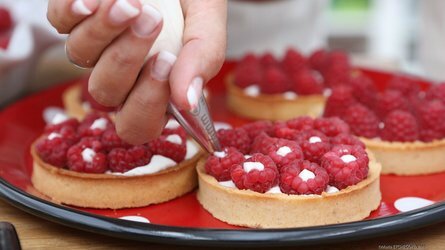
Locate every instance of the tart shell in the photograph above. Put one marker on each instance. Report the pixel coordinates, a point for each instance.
(271, 107)
(113, 191)
(256, 210)
(71, 101)
(408, 158)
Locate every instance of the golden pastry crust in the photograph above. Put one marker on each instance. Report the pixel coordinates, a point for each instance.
(408, 158)
(271, 107)
(72, 102)
(113, 191)
(252, 209)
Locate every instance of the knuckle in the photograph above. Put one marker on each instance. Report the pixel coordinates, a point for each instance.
(122, 59)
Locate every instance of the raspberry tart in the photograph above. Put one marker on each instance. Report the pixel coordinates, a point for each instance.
(265, 88)
(303, 172)
(6, 25)
(403, 126)
(86, 164)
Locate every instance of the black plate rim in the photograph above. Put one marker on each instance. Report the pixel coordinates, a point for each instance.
(220, 237)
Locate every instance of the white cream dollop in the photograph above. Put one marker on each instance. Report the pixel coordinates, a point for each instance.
(59, 118)
(306, 175)
(220, 154)
(88, 155)
(289, 95)
(252, 90)
(172, 124)
(331, 189)
(315, 139)
(157, 164)
(348, 158)
(249, 166)
(192, 149)
(176, 139)
(228, 184)
(283, 151)
(274, 190)
(100, 123)
(53, 135)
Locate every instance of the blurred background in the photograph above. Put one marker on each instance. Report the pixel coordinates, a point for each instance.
(396, 35)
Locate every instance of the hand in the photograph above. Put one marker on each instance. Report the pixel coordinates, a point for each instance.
(114, 37)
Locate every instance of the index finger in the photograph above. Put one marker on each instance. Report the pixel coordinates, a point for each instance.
(65, 15)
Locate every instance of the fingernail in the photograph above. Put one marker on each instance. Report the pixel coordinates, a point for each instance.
(163, 65)
(84, 7)
(123, 11)
(147, 22)
(194, 92)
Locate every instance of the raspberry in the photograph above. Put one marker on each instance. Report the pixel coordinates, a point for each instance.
(56, 127)
(340, 99)
(364, 89)
(256, 128)
(362, 121)
(286, 133)
(337, 70)
(388, 101)
(347, 139)
(170, 146)
(429, 135)
(284, 151)
(262, 143)
(274, 81)
(53, 150)
(346, 165)
(258, 173)
(122, 160)
(268, 60)
(307, 82)
(436, 92)
(314, 144)
(319, 59)
(293, 61)
(176, 131)
(303, 177)
(94, 125)
(431, 116)
(404, 85)
(301, 123)
(237, 138)
(248, 71)
(5, 20)
(219, 164)
(91, 148)
(111, 140)
(5, 38)
(331, 126)
(400, 126)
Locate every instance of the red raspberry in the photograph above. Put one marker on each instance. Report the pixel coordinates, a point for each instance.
(431, 116)
(347, 139)
(71, 122)
(268, 60)
(362, 121)
(122, 160)
(6, 22)
(258, 180)
(169, 146)
(5, 38)
(256, 128)
(331, 126)
(436, 92)
(388, 101)
(291, 181)
(341, 98)
(429, 135)
(301, 123)
(248, 71)
(237, 138)
(53, 150)
(274, 81)
(286, 133)
(293, 61)
(307, 82)
(219, 164)
(337, 70)
(314, 144)
(346, 165)
(400, 126)
(262, 143)
(319, 59)
(405, 85)
(177, 131)
(76, 162)
(364, 89)
(111, 140)
(92, 125)
(284, 151)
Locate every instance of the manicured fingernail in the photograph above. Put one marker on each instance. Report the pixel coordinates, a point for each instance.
(162, 66)
(123, 11)
(147, 22)
(84, 7)
(194, 92)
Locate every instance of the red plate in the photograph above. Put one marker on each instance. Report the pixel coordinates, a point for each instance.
(22, 123)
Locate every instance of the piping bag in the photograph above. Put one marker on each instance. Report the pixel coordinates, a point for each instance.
(196, 122)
